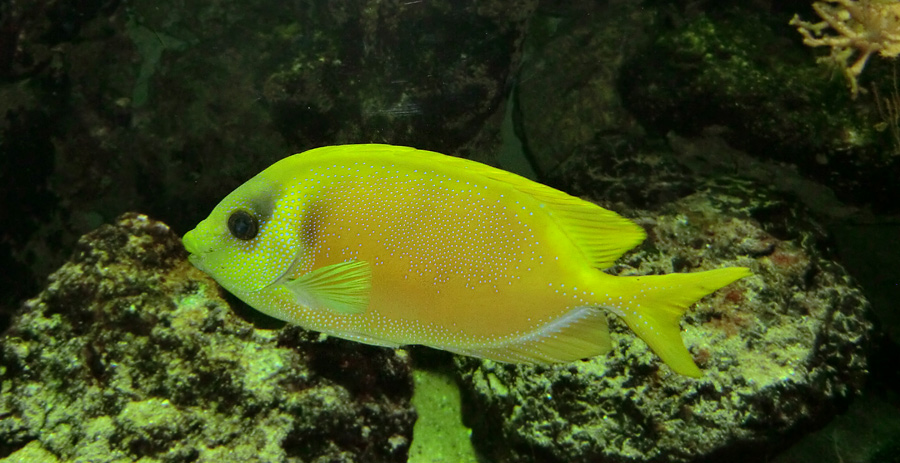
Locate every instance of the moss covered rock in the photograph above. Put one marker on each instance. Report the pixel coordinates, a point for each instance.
(781, 350)
(131, 354)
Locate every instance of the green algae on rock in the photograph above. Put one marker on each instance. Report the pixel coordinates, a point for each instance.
(31, 453)
(130, 353)
(779, 351)
(740, 70)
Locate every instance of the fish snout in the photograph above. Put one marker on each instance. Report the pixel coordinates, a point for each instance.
(194, 244)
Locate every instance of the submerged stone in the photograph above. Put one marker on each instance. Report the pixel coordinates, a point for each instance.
(780, 350)
(131, 353)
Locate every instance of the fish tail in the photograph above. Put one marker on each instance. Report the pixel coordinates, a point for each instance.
(657, 304)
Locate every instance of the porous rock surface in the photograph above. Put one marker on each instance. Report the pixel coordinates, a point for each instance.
(780, 350)
(130, 354)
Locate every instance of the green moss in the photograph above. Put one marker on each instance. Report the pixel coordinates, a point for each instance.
(130, 355)
(31, 453)
(736, 70)
(439, 435)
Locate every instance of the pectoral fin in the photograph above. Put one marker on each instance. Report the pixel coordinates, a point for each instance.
(342, 288)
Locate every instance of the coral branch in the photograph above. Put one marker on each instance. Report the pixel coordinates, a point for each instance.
(862, 26)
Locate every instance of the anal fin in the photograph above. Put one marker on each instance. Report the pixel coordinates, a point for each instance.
(581, 333)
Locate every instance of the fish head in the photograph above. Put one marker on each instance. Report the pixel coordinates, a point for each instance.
(246, 243)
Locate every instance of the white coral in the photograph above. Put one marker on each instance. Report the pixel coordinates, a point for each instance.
(864, 26)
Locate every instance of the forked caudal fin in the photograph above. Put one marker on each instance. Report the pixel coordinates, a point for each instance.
(655, 304)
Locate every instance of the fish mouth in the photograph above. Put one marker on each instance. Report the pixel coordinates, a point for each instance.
(195, 251)
(189, 240)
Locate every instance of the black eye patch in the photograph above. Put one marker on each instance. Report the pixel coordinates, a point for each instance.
(243, 225)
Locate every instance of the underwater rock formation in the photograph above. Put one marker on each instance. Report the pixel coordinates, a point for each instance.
(131, 353)
(780, 350)
(566, 94)
(203, 95)
(737, 71)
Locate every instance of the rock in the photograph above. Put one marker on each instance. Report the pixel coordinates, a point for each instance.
(741, 71)
(566, 93)
(780, 350)
(132, 353)
(31, 453)
(202, 96)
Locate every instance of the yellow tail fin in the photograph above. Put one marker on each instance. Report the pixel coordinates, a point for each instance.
(658, 303)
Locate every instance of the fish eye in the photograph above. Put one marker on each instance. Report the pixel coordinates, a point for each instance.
(243, 225)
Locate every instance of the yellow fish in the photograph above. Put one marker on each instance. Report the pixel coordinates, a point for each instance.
(390, 245)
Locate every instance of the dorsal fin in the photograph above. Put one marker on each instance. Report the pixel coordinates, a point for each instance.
(600, 234)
